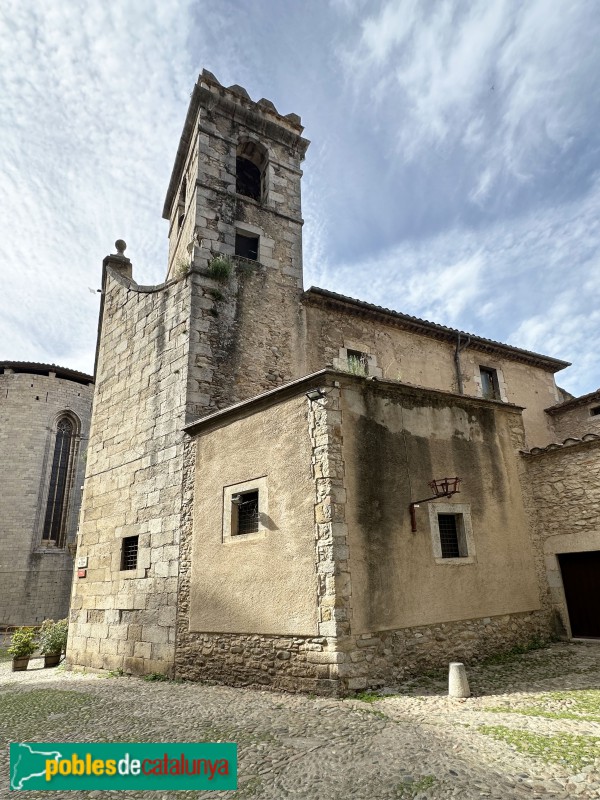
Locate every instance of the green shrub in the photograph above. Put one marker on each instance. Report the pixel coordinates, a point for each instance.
(22, 643)
(53, 637)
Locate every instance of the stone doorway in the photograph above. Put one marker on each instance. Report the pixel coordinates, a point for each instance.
(581, 582)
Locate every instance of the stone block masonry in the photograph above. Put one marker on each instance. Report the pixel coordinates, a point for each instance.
(36, 575)
(563, 489)
(124, 618)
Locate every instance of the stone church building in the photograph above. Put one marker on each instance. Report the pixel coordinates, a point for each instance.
(257, 450)
(45, 415)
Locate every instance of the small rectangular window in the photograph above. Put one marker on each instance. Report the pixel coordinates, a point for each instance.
(244, 513)
(246, 246)
(452, 538)
(594, 412)
(358, 363)
(129, 552)
(489, 383)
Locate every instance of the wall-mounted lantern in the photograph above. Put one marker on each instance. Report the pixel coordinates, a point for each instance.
(443, 487)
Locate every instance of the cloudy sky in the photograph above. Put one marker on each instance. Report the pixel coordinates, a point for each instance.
(454, 171)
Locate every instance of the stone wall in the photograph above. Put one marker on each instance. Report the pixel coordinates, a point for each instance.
(577, 419)
(36, 578)
(563, 488)
(246, 330)
(126, 618)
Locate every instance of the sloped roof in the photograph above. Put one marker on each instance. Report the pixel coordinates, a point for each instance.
(569, 442)
(574, 402)
(407, 322)
(37, 368)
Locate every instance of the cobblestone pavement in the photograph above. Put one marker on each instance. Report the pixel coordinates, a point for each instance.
(531, 730)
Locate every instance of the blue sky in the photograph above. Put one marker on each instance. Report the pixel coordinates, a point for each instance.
(454, 171)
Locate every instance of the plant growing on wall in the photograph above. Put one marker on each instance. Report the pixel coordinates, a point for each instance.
(219, 268)
(356, 366)
(182, 268)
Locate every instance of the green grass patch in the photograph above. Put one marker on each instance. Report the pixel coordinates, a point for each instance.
(156, 676)
(583, 704)
(4, 654)
(367, 697)
(572, 750)
(413, 788)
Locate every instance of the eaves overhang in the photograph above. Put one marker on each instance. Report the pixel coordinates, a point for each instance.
(324, 378)
(331, 300)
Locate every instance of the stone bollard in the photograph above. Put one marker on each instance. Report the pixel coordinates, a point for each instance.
(458, 685)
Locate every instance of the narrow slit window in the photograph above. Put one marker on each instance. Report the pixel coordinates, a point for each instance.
(129, 552)
(244, 513)
(246, 246)
(595, 412)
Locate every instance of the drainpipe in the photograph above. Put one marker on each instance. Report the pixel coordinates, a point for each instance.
(457, 353)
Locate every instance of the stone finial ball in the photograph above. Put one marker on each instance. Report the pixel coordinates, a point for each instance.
(121, 246)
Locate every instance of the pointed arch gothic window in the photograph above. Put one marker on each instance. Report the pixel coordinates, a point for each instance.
(61, 480)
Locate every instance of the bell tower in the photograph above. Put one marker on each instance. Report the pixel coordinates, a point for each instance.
(235, 227)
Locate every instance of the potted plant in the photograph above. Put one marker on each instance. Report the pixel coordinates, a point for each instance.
(53, 640)
(22, 647)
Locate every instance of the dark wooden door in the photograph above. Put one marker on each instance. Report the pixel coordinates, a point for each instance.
(581, 581)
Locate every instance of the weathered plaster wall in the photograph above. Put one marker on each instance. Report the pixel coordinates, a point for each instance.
(36, 580)
(263, 582)
(315, 476)
(395, 442)
(423, 361)
(563, 487)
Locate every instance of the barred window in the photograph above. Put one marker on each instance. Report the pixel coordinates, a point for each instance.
(129, 552)
(61, 481)
(452, 538)
(244, 507)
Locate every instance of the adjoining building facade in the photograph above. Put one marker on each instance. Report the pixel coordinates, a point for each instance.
(256, 448)
(45, 414)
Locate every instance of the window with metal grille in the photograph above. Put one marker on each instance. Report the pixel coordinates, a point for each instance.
(452, 540)
(129, 552)
(61, 479)
(244, 513)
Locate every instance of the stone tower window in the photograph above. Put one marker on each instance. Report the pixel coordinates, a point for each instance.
(61, 481)
(246, 246)
(251, 170)
(181, 204)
